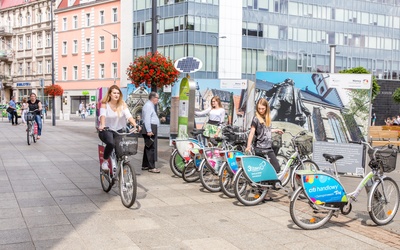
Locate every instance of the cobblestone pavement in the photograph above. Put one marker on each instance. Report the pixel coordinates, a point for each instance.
(51, 198)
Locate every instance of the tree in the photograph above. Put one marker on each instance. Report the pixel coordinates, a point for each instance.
(396, 95)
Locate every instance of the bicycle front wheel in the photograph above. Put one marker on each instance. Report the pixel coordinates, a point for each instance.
(33, 131)
(28, 133)
(383, 201)
(226, 182)
(176, 163)
(128, 185)
(106, 181)
(247, 193)
(190, 173)
(209, 178)
(306, 214)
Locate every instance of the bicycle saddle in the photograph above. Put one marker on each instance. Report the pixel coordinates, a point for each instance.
(332, 158)
(197, 132)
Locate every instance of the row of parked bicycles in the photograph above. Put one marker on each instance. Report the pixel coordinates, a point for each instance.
(221, 164)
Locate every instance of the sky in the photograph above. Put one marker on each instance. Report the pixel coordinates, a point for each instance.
(301, 80)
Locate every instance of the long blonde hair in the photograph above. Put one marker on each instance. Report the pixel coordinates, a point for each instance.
(120, 103)
(266, 118)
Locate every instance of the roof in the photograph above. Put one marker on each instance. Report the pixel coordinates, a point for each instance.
(64, 4)
(11, 3)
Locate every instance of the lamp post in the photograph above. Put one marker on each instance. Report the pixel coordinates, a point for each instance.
(53, 110)
(212, 53)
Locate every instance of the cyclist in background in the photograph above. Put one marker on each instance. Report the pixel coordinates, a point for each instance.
(35, 104)
(114, 114)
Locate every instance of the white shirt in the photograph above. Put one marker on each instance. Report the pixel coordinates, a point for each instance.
(112, 120)
(214, 114)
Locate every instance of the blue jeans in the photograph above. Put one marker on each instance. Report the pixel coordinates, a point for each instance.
(38, 120)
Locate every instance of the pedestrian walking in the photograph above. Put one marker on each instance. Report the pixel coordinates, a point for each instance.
(24, 109)
(149, 132)
(13, 111)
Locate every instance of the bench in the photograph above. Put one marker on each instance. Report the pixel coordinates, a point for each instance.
(384, 137)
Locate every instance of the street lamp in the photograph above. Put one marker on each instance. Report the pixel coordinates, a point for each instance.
(212, 53)
(53, 110)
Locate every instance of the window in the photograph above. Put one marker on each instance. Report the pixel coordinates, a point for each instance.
(48, 40)
(336, 126)
(20, 20)
(75, 22)
(115, 70)
(87, 44)
(88, 20)
(40, 67)
(28, 68)
(87, 71)
(64, 24)
(48, 67)
(20, 69)
(39, 17)
(28, 18)
(39, 40)
(64, 48)
(114, 15)
(114, 42)
(21, 43)
(28, 42)
(101, 43)
(64, 73)
(75, 47)
(75, 73)
(101, 17)
(101, 72)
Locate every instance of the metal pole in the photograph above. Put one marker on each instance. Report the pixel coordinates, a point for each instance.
(154, 35)
(332, 58)
(53, 110)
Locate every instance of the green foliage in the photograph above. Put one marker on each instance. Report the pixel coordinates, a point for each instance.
(360, 70)
(396, 95)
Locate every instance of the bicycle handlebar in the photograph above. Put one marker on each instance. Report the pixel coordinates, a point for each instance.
(134, 130)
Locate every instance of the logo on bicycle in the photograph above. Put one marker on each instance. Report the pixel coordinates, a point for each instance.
(258, 169)
(323, 189)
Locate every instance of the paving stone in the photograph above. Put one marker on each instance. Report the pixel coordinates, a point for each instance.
(19, 246)
(53, 232)
(36, 202)
(12, 223)
(209, 243)
(46, 220)
(12, 236)
(41, 211)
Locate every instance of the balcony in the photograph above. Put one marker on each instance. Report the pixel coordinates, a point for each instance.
(5, 31)
(6, 55)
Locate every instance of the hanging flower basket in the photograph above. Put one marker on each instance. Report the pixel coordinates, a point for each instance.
(153, 69)
(54, 90)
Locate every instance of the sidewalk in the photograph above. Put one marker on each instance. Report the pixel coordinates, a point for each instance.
(51, 198)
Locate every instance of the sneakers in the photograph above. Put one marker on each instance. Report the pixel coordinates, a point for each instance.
(104, 166)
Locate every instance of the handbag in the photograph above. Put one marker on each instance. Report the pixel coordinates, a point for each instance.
(10, 110)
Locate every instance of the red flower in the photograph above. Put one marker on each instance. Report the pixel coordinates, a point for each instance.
(54, 90)
(152, 69)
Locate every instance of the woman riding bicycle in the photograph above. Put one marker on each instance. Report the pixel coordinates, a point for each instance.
(114, 114)
(36, 106)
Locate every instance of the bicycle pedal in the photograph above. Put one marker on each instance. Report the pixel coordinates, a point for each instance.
(336, 214)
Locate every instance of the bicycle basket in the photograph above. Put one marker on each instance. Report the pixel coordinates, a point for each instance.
(385, 158)
(126, 145)
(304, 144)
(30, 117)
(276, 140)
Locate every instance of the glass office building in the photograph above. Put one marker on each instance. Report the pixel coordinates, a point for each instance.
(234, 38)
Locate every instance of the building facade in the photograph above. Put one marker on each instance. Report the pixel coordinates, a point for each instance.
(234, 39)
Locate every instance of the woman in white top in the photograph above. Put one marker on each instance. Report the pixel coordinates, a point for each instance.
(114, 114)
(216, 116)
(24, 109)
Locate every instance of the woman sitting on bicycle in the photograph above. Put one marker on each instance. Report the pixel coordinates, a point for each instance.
(261, 128)
(114, 114)
(216, 117)
(35, 105)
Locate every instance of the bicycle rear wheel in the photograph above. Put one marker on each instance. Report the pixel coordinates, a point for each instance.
(128, 185)
(226, 182)
(306, 214)
(190, 173)
(28, 133)
(106, 181)
(282, 162)
(383, 201)
(176, 163)
(247, 193)
(209, 179)
(307, 165)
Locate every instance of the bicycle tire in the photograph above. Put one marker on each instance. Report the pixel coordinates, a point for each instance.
(33, 131)
(190, 173)
(28, 133)
(127, 185)
(245, 192)
(176, 163)
(305, 214)
(209, 179)
(307, 165)
(282, 159)
(106, 181)
(380, 210)
(226, 182)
